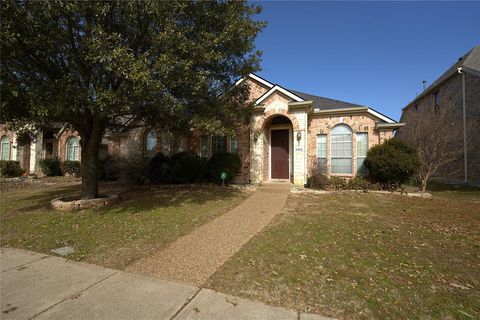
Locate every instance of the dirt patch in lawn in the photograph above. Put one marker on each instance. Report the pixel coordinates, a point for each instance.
(364, 256)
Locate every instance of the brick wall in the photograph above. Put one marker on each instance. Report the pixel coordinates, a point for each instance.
(62, 144)
(451, 102)
(11, 137)
(358, 123)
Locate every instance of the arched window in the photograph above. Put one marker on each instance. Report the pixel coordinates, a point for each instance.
(341, 149)
(150, 144)
(73, 149)
(5, 148)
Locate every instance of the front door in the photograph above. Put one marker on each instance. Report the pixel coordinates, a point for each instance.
(280, 154)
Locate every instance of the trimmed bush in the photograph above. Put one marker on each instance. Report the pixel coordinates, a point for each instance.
(10, 169)
(133, 171)
(230, 163)
(159, 169)
(187, 167)
(71, 167)
(109, 169)
(51, 167)
(391, 163)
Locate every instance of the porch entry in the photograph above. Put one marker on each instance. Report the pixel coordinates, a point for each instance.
(280, 154)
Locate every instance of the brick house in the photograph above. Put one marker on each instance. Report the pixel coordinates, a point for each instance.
(455, 93)
(289, 132)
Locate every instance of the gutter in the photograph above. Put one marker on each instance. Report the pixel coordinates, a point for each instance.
(381, 125)
(341, 111)
(465, 161)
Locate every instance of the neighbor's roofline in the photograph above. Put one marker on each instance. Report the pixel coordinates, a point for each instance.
(429, 90)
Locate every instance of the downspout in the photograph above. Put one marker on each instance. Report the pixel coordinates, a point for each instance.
(465, 178)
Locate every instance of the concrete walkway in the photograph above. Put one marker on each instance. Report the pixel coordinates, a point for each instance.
(193, 258)
(38, 286)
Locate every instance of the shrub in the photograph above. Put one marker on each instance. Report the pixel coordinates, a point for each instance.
(109, 169)
(132, 171)
(71, 167)
(391, 163)
(337, 183)
(10, 169)
(51, 167)
(159, 169)
(316, 179)
(187, 167)
(230, 163)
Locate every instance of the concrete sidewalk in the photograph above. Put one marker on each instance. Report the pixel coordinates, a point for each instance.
(38, 286)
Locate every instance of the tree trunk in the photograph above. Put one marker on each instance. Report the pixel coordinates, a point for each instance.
(90, 144)
(424, 186)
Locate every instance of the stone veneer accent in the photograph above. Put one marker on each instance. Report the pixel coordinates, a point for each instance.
(73, 203)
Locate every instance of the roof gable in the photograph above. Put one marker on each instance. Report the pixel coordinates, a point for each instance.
(319, 103)
(277, 88)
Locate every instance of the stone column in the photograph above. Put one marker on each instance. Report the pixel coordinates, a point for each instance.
(300, 149)
(256, 153)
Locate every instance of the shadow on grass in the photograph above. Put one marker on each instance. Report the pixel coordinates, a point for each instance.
(133, 199)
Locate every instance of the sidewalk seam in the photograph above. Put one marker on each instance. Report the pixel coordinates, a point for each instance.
(73, 295)
(22, 265)
(186, 304)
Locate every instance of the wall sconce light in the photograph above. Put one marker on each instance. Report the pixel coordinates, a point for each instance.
(299, 136)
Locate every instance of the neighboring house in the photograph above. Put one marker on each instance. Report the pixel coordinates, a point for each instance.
(456, 94)
(289, 132)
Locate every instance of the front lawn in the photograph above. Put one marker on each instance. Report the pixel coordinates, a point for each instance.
(145, 220)
(364, 256)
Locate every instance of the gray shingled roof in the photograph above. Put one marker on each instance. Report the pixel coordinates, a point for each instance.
(323, 103)
(470, 60)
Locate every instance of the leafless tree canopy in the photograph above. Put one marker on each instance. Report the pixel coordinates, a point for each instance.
(438, 139)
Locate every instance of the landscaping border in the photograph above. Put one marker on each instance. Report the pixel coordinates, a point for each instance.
(70, 203)
(424, 195)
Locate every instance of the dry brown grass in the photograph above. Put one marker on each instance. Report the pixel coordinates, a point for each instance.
(363, 256)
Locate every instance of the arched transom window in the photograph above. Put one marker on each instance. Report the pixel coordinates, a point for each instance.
(150, 144)
(73, 149)
(341, 149)
(5, 148)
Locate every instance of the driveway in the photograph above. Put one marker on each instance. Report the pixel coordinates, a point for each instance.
(38, 286)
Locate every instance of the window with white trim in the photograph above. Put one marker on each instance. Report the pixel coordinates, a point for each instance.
(341, 149)
(362, 148)
(234, 144)
(219, 144)
(73, 149)
(322, 153)
(5, 146)
(150, 145)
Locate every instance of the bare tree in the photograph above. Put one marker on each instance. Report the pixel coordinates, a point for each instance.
(438, 139)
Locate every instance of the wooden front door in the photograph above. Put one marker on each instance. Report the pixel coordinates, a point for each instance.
(280, 154)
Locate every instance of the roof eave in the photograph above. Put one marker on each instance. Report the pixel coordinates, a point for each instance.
(301, 105)
(355, 110)
(381, 125)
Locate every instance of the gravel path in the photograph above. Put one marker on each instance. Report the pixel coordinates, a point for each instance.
(195, 257)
